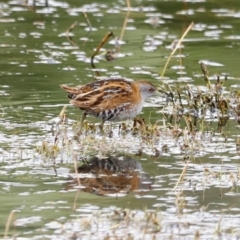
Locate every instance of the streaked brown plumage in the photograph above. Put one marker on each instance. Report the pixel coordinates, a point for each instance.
(111, 175)
(111, 99)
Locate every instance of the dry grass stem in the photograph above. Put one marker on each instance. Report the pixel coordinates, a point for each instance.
(89, 25)
(9, 221)
(62, 113)
(70, 30)
(180, 179)
(32, 9)
(104, 40)
(176, 47)
(76, 170)
(88, 22)
(205, 74)
(75, 201)
(125, 22)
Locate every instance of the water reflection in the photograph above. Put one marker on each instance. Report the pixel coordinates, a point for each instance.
(110, 175)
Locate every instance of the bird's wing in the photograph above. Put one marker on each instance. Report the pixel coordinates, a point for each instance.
(109, 95)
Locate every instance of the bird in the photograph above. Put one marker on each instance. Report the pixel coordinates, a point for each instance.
(111, 174)
(110, 99)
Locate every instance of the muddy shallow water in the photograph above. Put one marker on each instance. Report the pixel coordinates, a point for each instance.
(194, 179)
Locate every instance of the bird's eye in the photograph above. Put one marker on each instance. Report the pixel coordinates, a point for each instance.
(151, 89)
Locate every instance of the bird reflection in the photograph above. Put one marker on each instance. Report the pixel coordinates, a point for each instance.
(111, 175)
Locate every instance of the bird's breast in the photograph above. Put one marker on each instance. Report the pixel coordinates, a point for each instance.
(120, 113)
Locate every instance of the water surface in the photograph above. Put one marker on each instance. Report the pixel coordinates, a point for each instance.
(37, 56)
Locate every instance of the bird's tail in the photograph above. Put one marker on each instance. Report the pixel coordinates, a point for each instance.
(72, 91)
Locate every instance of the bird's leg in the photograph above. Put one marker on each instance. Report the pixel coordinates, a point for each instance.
(83, 118)
(81, 124)
(101, 127)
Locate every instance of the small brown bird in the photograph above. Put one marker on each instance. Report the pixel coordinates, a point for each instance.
(111, 175)
(111, 99)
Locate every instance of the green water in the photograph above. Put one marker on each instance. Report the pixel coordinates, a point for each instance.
(37, 57)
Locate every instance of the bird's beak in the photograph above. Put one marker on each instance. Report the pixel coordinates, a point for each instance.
(159, 91)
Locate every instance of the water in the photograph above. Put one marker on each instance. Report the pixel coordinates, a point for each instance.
(37, 57)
